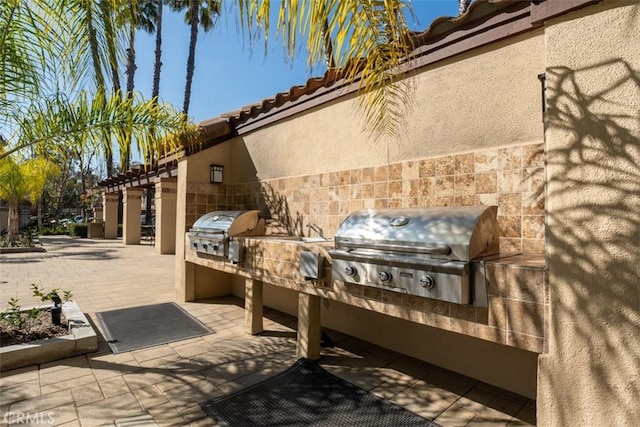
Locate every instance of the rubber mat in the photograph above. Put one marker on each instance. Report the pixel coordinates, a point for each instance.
(140, 327)
(307, 395)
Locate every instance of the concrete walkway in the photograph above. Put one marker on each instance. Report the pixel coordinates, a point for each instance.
(164, 385)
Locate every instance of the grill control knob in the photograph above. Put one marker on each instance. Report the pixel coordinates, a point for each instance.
(384, 276)
(427, 282)
(350, 271)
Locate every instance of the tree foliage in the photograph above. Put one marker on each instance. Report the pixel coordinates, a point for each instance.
(20, 180)
(369, 40)
(50, 52)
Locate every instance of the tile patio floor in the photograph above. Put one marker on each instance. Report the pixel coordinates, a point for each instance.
(163, 385)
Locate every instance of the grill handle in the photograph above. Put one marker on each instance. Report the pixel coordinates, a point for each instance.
(211, 231)
(432, 250)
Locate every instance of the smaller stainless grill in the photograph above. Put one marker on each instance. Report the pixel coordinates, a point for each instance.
(213, 233)
(428, 252)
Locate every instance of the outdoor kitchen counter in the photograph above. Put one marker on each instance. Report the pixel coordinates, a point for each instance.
(517, 312)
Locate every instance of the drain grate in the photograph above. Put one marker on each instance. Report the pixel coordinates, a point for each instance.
(133, 328)
(307, 395)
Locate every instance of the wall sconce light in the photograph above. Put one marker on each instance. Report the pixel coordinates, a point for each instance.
(216, 174)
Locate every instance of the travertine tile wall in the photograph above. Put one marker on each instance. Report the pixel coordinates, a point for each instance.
(511, 178)
(203, 198)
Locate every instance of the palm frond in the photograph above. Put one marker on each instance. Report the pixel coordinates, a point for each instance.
(57, 120)
(25, 46)
(368, 39)
(93, 43)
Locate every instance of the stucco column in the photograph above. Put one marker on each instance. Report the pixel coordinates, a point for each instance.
(166, 197)
(132, 210)
(110, 215)
(97, 213)
(253, 306)
(308, 344)
(589, 376)
(185, 286)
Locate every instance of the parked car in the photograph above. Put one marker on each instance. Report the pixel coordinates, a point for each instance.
(78, 219)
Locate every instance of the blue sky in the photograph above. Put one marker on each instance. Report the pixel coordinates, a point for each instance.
(229, 73)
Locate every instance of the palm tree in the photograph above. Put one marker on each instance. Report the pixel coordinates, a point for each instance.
(157, 63)
(135, 15)
(66, 43)
(154, 8)
(204, 13)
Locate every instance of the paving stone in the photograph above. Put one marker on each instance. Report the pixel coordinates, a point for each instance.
(146, 377)
(114, 386)
(362, 377)
(150, 396)
(87, 379)
(64, 364)
(87, 394)
(189, 394)
(62, 415)
(203, 422)
(428, 392)
(105, 411)
(144, 420)
(43, 403)
(48, 376)
(17, 392)
(19, 376)
(191, 413)
(154, 353)
(74, 423)
(167, 415)
(413, 403)
(456, 416)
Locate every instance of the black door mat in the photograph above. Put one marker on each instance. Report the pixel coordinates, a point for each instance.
(307, 395)
(130, 329)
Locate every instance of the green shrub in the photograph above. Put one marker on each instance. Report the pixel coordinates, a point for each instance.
(48, 231)
(79, 230)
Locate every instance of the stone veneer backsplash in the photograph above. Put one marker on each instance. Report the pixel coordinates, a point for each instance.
(511, 178)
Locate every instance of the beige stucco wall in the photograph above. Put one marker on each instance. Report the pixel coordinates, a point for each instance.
(500, 106)
(199, 163)
(591, 374)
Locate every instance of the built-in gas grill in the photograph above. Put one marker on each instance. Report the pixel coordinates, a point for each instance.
(213, 233)
(429, 252)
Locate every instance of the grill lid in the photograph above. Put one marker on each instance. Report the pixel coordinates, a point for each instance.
(228, 223)
(460, 233)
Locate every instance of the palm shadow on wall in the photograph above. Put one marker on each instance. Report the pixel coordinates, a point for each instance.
(280, 219)
(593, 221)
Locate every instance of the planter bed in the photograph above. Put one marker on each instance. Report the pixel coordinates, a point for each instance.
(21, 249)
(81, 339)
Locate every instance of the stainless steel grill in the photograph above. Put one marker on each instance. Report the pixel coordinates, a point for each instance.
(213, 233)
(429, 252)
